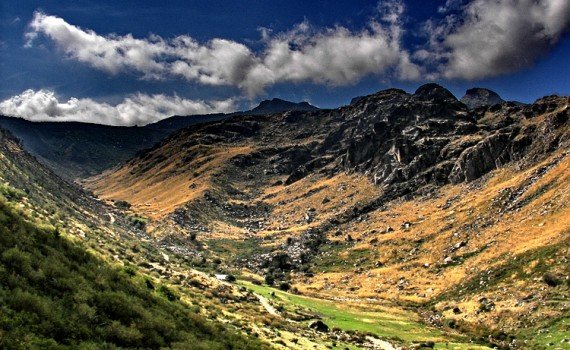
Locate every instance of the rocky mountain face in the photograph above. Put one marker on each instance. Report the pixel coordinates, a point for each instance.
(481, 97)
(405, 144)
(402, 142)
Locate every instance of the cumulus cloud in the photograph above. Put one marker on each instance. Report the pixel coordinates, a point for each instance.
(467, 40)
(333, 56)
(138, 109)
(487, 38)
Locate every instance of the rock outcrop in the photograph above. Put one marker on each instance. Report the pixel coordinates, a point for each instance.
(403, 142)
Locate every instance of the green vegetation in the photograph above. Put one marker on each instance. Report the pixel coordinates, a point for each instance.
(53, 294)
(553, 337)
(392, 324)
(11, 193)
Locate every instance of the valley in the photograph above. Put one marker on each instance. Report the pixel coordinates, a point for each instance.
(403, 220)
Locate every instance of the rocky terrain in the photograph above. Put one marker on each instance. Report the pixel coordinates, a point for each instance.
(416, 199)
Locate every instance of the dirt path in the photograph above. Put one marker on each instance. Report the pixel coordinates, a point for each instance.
(381, 344)
(263, 300)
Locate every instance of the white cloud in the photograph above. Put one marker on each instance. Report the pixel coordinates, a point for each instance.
(332, 56)
(476, 39)
(139, 109)
(493, 37)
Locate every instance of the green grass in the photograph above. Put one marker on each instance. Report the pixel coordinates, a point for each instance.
(395, 324)
(557, 336)
(235, 250)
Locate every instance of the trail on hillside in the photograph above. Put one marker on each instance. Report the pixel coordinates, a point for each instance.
(263, 300)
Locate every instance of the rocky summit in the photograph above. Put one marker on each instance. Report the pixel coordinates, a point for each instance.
(480, 97)
(278, 105)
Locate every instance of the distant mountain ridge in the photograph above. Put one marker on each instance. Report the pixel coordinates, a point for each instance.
(278, 105)
(75, 150)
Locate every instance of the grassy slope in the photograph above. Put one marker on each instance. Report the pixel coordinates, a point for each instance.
(54, 294)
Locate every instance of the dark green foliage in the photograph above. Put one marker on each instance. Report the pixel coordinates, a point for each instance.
(53, 295)
(269, 279)
(284, 286)
(122, 204)
(11, 193)
(169, 294)
(551, 280)
(231, 278)
(149, 284)
(138, 222)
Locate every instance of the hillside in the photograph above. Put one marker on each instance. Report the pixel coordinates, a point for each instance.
(76, 150)
(410, 199)
(55, 294)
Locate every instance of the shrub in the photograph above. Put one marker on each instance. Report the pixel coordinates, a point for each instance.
(54, 294)
(551, 280)
(169, 294)
(231, 278)
(284, 286)
(122, 204)
(269, 280)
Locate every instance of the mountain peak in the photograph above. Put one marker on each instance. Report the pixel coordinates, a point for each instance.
(478, 97)
(434, 91)
(277, 105)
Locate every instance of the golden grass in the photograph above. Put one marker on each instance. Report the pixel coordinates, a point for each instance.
(167, 185)
(543, 221)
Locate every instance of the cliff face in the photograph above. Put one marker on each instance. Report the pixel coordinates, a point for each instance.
(408, 141)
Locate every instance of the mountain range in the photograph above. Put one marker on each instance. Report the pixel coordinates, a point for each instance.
(402, 220)
(78, 150)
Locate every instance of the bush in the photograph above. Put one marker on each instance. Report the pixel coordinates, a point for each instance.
(231, 278)
(169, 294)
(269, 280)
(123, 205)
(551, 280)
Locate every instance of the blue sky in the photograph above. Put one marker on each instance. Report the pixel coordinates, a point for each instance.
(133, 62)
